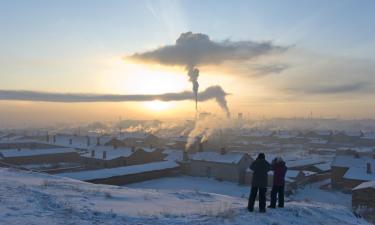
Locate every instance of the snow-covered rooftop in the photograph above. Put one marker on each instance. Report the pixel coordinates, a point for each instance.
(304, 162)
(359, 173)
(111, 152)
(323, 166)
(369, 135)
(33, 152)
(211, 156)
(364, 185)
(119, 171)
(351, 161)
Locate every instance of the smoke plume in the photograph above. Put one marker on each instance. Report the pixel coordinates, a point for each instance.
(213, 92)
(192, 50)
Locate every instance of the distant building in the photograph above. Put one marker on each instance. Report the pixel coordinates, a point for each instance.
(109, 156)
(363, 200)
(228, 166)
(348, 171)
(37, 156)
(346, 137)
(126, 174)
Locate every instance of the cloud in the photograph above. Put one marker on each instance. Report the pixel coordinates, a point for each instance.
(196, 49)
(213, 92)
(337, 89)
(270, 69)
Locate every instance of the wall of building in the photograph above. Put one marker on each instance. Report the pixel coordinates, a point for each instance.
(134, 178)
(36, 159)
(363, 203)
(220, 171)
(337, 174)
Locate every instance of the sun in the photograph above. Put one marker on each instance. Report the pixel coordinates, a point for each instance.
(157, 105)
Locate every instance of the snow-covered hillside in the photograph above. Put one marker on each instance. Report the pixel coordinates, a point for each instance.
(32, 198)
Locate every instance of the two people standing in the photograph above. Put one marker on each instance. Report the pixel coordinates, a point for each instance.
(260, 168)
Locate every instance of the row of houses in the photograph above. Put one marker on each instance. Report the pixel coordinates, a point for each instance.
(122, 140)
(51, 158)
(314, 138)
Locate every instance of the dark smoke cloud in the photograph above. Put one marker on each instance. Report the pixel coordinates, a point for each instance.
(194, 49)
(213, 92)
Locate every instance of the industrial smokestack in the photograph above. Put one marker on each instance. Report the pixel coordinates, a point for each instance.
(92, 153)
(47, 137)
(54, 138)
(193, 74)
(200, 147)
(98, 141)
(104, 154)
(369, 169)
(70, 141)
(185, 156)
(88, 141)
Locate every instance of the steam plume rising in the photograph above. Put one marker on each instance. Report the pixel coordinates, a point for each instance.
(213, 92)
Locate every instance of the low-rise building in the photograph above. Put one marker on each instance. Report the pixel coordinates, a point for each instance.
(126, 174)
(228, 166)
(38, 156)
(348, 171)
(363, 200)
(108, 156)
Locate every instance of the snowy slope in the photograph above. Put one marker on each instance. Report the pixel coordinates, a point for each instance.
(32, 198)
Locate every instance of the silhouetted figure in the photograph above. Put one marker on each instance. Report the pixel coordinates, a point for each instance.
(279, 170)
(260, 168)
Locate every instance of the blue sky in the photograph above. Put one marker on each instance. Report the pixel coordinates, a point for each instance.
(48, 26)
(61, 45)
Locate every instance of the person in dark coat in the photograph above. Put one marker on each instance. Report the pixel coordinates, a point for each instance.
(279, 170)
(260, 168)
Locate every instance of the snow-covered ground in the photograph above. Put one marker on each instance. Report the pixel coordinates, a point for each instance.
(312, 192)
(195, 184)
(34, 198)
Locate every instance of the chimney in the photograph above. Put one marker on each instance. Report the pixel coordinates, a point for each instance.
(54, 138)
(133, 149)
(200, 147)
(70, 141)
(104, 154)
(369, 169)
(98, 141)
(223, 151)
(185, 156)
(92, 153)
(88, 141)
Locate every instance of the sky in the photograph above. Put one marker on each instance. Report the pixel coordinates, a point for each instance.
(326, 66)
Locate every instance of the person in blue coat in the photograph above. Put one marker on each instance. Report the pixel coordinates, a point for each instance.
(260, 168)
